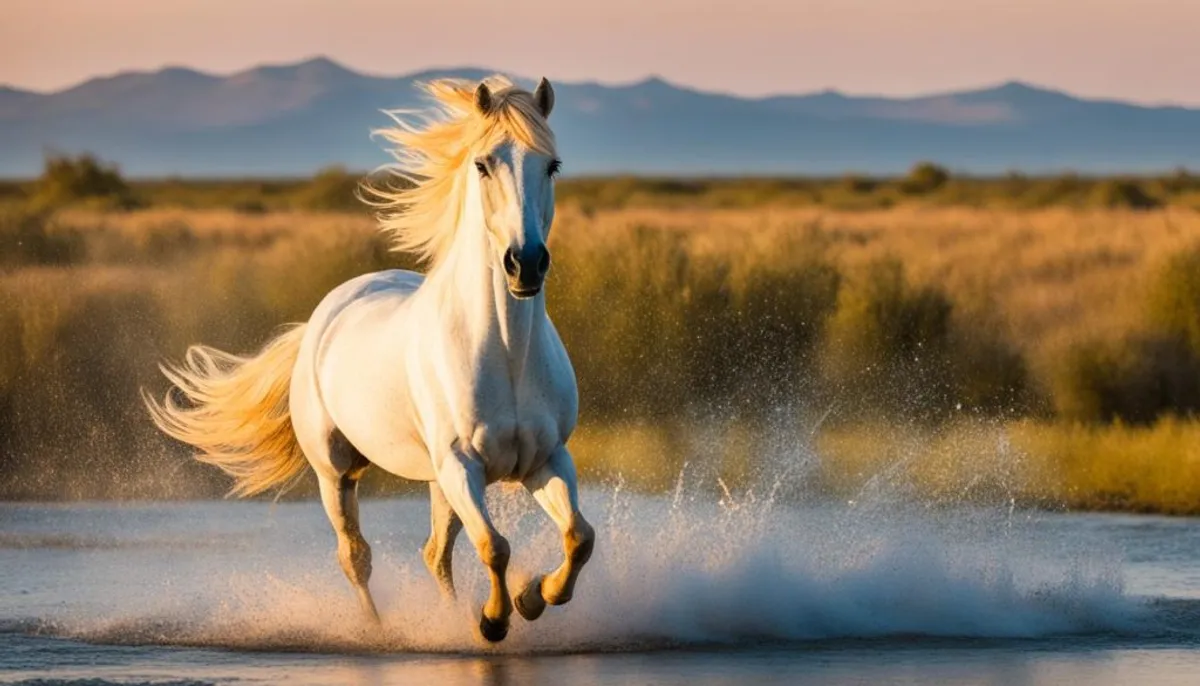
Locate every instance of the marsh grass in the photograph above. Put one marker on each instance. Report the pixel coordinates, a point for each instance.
(949, 345)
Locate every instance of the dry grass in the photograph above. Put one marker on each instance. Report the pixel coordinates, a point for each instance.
(1075, 466)
(1054, 274)
(656, 305)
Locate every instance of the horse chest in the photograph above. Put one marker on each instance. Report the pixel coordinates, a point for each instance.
(514, 426)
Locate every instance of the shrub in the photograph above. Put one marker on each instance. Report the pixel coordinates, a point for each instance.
(1136, 380)
(70, 180)
(758, 327)
(333, 188)
(1173, 302)
(1123, 194)
(886, 343)
(925, 177)
(990, 376)
(855, 183)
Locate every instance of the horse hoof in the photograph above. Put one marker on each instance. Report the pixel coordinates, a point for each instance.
(529, 601)
(493, 631)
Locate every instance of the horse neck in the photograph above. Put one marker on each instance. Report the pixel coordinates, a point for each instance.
(473, 286)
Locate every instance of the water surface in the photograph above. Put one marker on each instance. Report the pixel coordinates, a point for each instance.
(685, 589)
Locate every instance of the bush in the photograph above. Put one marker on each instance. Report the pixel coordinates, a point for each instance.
(990, 376)
(333, 188)
(84, 179)
(924, 178)
(1146, 375)
(1137, 380)
(758, 328)
(856, 184)
(887, 342)
(1123, 194)
(1173, 303)
(656, 327)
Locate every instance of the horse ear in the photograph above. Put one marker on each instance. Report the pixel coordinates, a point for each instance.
(483, 99)
(543, 97)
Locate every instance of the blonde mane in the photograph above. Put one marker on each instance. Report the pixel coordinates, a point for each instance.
(421, 212)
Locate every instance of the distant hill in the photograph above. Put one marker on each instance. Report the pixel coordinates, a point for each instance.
(293, 119)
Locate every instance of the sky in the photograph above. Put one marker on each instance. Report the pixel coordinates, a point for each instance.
(1140, 50)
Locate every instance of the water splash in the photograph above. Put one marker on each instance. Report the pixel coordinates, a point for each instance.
(690, 569)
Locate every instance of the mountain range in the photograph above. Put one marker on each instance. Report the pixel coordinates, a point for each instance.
(293, 119)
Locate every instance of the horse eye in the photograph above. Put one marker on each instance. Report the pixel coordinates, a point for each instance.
(554, 168)
(482, 167)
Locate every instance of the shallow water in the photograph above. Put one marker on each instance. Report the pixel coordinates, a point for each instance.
(685, 589)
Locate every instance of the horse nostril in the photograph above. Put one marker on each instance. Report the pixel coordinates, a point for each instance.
(511, 266)
(543, 264)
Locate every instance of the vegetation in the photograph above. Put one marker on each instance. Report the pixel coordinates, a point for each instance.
(87, 181)
(80, 180)
(1048, 356)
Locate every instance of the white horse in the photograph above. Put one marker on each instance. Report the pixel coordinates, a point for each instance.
(456, 378)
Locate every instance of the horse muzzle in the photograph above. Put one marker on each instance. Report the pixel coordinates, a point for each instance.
(526, 270)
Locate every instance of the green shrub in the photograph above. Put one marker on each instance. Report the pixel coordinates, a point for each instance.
(856, 183)
(990, 375)
(84, 179)
(887, 342)
(1136, 380)
(1146, 375)
(1173, 303)
(333, 188)
(1123, 194)
(924, 178)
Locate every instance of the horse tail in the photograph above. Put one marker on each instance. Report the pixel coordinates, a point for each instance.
(235, 410)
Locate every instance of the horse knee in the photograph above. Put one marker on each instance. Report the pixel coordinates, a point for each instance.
(580, 540)
(494, 551)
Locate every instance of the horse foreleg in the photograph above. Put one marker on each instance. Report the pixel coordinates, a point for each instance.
(462, 480)
(340, 497)
(439, 549)
(554, 487)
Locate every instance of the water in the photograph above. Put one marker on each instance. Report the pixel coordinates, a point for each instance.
(689, 589)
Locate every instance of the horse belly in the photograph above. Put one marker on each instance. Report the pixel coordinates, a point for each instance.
(385, 435)
(409, 460)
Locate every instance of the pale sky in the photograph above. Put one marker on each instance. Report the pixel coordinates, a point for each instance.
(1143, 50)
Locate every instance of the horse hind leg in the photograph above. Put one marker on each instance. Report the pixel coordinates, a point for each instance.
(438, 552)
(554, 488)
(339, 495)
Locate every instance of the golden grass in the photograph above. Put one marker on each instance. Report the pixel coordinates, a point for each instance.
(140, 286)
(1076, 466)
(1023, 463)
(1051, 271)
(1054, 275)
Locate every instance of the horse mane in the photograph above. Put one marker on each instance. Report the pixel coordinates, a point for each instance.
(421, 212)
